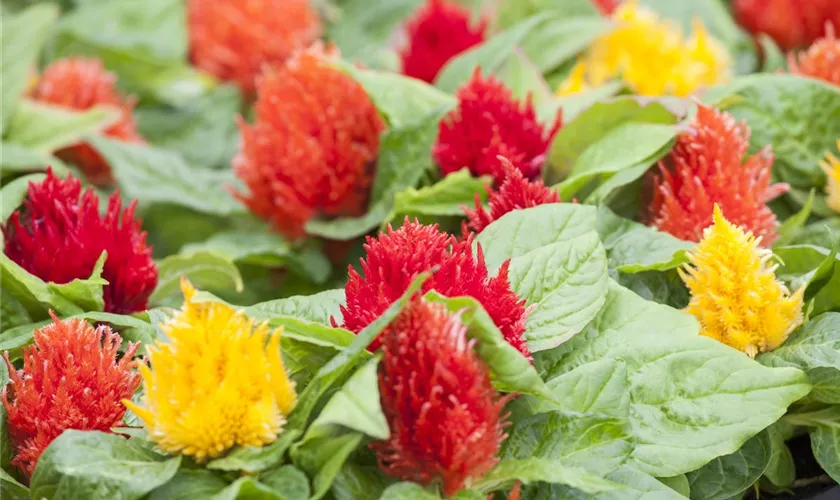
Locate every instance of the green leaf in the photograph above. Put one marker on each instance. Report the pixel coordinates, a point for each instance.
(781, 470)
(287, 482)
(190, 483)
(11, 488)
(443, 199)
(356, 482)
(793, 224)
(86, 293)
(816, 344)
(678, 483)
(23, 36)
(728, 476)
(14, 158)
(637, 486)
(712, 13)
(633, 247)
(825, 443)
(408, 491)
(525, 81)
(540, 469)
(44, 128)
(206, 270)
(561, 38)
(822, 233)
(600, 387)
(512, 12)
(774, 58)
(323, 457)
(816, 268)
(256, 459)
(92, 464)
(317, 308)
(13, 194)
(153, 175)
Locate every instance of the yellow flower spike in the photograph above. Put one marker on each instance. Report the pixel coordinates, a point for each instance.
(831, 167)
(734, 292)
(216, 382)
(575, 82)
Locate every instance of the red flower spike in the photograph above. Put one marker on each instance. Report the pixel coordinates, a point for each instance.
(437, 32)
(59, 235)
(312, 147)
(821, 60)
(489, 123)
(445, 416)
(607, 6)
(235, 39)
(396, 257)
(71, 379)
(791, 23)
(80, 84)
(707, 166)
(515, 193)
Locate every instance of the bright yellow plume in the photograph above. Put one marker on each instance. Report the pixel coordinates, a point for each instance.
(831, 167)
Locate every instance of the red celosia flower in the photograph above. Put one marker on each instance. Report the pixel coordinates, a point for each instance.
(489, 123)
(821, 60)
(312, 148)
(791, 23)
(607, 6)
(445, 417)
(80, 84)
(59, 235)
(396, 257)
(235, 39)
(71, 379)
(437, 32)
(707, 166)
(515, 193)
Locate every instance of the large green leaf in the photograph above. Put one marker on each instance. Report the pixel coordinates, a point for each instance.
(825, 442)
(512, 12)
(816, 268)
(15, 158)
(44, 128)
(633, 247)
(637, 486)
(317, 308)
(253, 459)
(561, 38)
(781, 470)
(725, 477)
(206, 270)
(190, 483)
(13, 194)
(356, 482)
(531, 470)
(443, 199)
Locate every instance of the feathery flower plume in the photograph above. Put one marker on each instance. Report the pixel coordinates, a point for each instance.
(235, 40)
(216, 382)
(515, 193)
(437, 32)
(396, 257)
(58, 235)
(445, 417)
(312, 148)
(489, 123)
(80, 84)
(790, 23)
(706, 167)
(734, 292)
(821, 60)
(71, 379)
(607, 6)
(831, 167)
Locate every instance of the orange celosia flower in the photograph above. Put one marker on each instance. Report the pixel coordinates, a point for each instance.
(821, 60)
(791, 23)
(235, 39)
(312, 147)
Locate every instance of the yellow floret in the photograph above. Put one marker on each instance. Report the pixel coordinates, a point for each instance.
(831, 167)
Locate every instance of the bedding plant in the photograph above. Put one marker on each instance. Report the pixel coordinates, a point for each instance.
(420, 249)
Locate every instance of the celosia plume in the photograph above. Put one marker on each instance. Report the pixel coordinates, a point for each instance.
(80, 84)
(821, 60)
(58, 235)
(515, 193)
(73, 377)
(734, 292)
(489, 123)
(236, 40)
(790, 23)
(437, 32)
(445, 417)
(706, 167)
(216, 382)
(607, 6)
(394, 258)
(831, 167)
(312, 148)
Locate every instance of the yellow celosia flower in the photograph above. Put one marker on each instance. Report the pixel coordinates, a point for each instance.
(831, 166)
(734, 291)
(217, 381)
(651, 56)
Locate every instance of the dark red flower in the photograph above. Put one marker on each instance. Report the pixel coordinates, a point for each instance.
(821, 60)
(312, 147)
(396, 257)
(515, 193)
(437, 32)
(59, 235)
(489, 123)
(791, 23)
(445, 418)
(235, 39)
(80, 84)
(607, 6)
(71, 379)
(708, 166)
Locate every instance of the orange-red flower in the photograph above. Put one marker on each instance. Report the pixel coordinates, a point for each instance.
(437, 32)
(607, 6)
(396, 257)
(821, 60)
(708, 166)
(791, 23)
(489, 123)
(59, 235)
(312, 148)
(80, 84)
(446, 420)
(515, 193)
(72, 378)
(236, 39)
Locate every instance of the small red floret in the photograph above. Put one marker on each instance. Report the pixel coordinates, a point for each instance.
(607, 6)
(73, 377)
(708, 166)
(437, 32)
(445, 417)
(59, 235)
(791, 23)
(821, 60)
(489, 123)
(80, 84)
